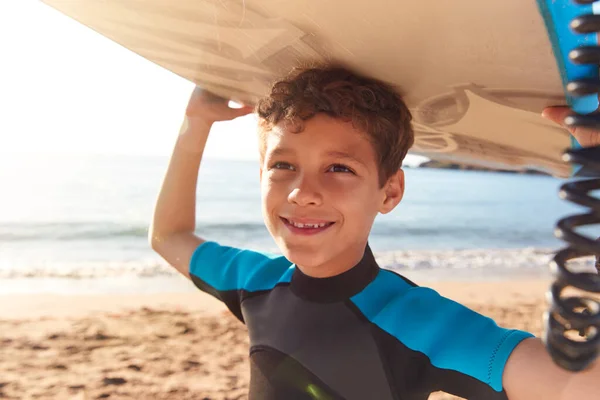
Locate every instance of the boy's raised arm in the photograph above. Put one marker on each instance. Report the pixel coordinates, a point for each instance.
(173, 225)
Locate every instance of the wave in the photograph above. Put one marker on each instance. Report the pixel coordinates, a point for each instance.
(402, 229)
(67, 231)
(512, 261)
(107, 230)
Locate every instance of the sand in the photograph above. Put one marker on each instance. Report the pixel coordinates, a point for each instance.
(172, 346)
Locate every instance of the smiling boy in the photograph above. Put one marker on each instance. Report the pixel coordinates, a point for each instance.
(325, 322)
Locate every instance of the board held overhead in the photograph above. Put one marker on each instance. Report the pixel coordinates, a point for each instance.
(476, 75)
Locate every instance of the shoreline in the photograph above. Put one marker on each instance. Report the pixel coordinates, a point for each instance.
(48, 306)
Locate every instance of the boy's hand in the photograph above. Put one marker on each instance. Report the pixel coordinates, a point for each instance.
(207, 108)
(586, 137)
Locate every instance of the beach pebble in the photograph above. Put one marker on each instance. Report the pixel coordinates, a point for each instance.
(114, 381)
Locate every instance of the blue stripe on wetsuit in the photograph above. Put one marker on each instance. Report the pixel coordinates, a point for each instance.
(239, 269)
(417, 315)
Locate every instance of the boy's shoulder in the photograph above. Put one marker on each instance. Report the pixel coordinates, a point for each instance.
(393, 300)
(392, 290)
(231, 268)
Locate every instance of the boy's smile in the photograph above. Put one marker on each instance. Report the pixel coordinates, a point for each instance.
(303, 226)
(320, 194)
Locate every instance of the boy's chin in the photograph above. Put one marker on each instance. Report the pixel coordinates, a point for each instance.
(304, 257)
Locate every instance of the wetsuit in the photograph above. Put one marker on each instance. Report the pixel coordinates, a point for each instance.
(367, 333)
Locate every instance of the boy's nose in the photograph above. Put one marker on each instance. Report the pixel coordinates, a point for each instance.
(305, 193)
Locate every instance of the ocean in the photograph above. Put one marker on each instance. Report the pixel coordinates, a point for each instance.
(80, 223)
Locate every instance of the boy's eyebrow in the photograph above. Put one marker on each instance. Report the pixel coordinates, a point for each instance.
(282, 151)
(343, 154)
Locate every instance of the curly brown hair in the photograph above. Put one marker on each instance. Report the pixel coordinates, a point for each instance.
(372, 106)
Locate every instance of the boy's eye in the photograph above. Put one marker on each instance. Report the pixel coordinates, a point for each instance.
(282, 165)
(340, 168)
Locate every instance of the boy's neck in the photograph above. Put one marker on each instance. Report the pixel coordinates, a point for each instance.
(338, 287)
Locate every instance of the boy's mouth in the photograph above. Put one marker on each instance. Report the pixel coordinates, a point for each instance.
(306, 227)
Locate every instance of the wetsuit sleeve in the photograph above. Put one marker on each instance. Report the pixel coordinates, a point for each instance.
(227, 273)
(467, 351)
(430, 343)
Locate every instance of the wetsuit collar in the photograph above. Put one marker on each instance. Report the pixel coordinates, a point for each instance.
(339, 287)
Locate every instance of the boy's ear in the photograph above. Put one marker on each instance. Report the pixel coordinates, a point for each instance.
(393, 192)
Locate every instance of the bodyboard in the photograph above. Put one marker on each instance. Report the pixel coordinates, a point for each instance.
(476, 75)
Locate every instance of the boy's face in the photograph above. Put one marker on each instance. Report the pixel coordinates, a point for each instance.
(320, 194)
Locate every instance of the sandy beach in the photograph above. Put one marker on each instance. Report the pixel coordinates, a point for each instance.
(172, 346)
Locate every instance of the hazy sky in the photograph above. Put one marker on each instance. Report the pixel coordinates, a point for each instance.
(66, 89)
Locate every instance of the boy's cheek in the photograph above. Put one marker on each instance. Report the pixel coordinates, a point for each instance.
(269, 190)
(271, 200)
(266, 186)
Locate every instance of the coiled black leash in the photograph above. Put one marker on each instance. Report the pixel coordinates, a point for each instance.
(573, 312)
(572, 332)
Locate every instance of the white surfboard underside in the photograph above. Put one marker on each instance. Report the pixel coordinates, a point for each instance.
(475, 74)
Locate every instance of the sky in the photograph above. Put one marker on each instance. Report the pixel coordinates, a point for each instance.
(65, 89)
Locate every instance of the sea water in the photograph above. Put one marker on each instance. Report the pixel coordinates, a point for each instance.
(80, 223)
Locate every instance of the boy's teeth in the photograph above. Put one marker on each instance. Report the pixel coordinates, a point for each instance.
(300, 225)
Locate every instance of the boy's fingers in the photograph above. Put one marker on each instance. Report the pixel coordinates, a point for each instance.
(239, 112)
(207, 96)
(210, 97)
(585, 136)
(556, 114)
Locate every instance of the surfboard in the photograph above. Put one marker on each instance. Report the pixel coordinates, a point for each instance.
(476, 75)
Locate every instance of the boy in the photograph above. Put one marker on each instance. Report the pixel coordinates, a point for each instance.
(325, 322)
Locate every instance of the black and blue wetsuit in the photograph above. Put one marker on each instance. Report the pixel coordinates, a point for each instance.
(367, 333)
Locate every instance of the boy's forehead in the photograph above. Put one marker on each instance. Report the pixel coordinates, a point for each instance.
(319, 134)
